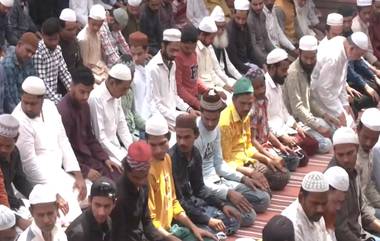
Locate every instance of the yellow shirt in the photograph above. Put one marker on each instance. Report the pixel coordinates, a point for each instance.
(162, 202)
(236, 138)
(290, 14)
(210, 5)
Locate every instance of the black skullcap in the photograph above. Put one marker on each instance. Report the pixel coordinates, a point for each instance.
(279, 228)
(103, 187)
(189, 34)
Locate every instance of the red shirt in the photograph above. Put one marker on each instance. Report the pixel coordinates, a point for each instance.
(189, 87)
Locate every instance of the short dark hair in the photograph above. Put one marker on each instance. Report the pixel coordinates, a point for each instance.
(51, 26)
(189, 34)
(82, 75)
(304, 192)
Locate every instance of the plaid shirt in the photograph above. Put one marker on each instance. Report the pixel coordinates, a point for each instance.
(113, 43)
(51, 67)
(14, 76)
(259, 121)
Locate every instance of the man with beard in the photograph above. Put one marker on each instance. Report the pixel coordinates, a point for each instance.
(203, 208)
(160, 73)
(209, 70)
(368, 132)
(328, 79)
(45, 150)
(283, 124)
(296, 90)
(240, 48)
(355, 215)
(150, 24)
(306, 213)
(360, 23)
(220, 44)
(259, 35)
(75, 111)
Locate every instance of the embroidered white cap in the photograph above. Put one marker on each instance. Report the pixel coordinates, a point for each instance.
(208, 25)
(43, 193)
(7, 3)
(345, 135)
(7, 218)
(34, 85)
(241, 5)
(8, 126)
(97, 12)
(172, 35)
(276, 55)
(334, 19)
(156, 125)
(315, 182)
(308, 43)
(120, 72)
(217, 14)
(363, 3)
(337, 177)
(360, 39)
(371, 119)
(68, 15)
(134, 3)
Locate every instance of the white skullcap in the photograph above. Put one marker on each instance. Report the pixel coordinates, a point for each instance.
(7, 3)
(7, 218)
(371, 119)
(121, 17)
(276, 55)
(208, 25)
(120, 72)
(134, 3)
(315, 182)
(345, 135)
(360, 39)
(34, 85)
(156, 125)
(68, 15)
(241, 5)
(43, 193)
(363, 3)
(308, 43)
(172, 35)
(217, 14)
(97, 12)
(334, 19)
(8, 126)
(337, 177)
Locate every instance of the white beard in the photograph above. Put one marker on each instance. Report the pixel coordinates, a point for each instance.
(221, 42)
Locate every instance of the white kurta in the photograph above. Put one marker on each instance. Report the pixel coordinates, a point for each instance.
(108, 121)
(45, 149)
(195, 11)
(304, 229)
(279, 119)
(209, 70)
(141, 88)
(33, 233)
(328, 80)
(162, 96)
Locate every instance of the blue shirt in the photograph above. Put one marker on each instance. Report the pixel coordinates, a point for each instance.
(358, 72)
(12, 75)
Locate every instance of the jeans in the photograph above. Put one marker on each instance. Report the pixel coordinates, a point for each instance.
(232, 225)
(324, 144)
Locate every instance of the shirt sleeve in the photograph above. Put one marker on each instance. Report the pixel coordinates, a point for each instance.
(122, 129)
(109, 51)
(231, 68)
(353, 77)
(20, 181)
(296, 103)
(153, 189)
(3, 193)
(97, 117)
(232, 52)
(81, 10)
(217, 69)
(41, 69)
(64, 74)
(124, 47)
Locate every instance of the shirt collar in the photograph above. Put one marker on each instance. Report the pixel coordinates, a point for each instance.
(235, 115)
(106, 93)
(270, 81)
(200, 45)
